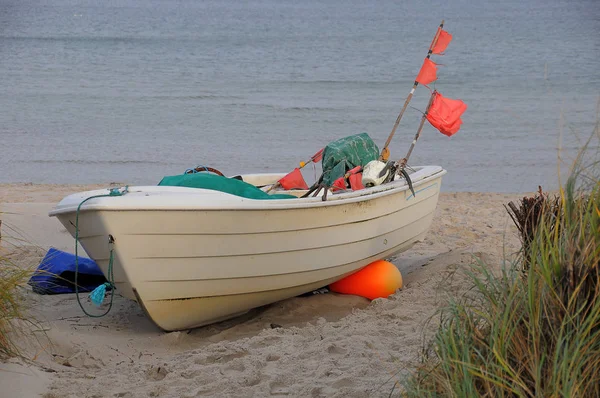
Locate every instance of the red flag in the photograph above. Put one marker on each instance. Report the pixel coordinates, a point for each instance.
(293, 180)
(444, 114)
(442, 42)
(339, 184)
(316, 158)
(354, 177)
(356, 182)
(427, 74)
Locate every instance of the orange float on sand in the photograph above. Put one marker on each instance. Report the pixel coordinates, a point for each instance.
(378, 279)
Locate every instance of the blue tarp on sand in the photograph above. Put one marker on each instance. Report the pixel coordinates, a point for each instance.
(56, 274)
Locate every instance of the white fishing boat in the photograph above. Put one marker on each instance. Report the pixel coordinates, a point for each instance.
(193, 256)
(199, 251)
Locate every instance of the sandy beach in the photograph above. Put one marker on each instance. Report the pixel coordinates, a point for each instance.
(325, 345)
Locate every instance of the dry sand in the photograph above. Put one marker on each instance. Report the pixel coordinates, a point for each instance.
(326, 345)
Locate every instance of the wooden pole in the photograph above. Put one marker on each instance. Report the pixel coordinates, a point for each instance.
(402, 163)
(312, 158)
(385, 152)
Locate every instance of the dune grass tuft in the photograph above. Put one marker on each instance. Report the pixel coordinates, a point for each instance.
(11, 304)
(532, 329)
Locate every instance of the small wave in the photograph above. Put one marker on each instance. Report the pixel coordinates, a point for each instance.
(114, 39)
(308, 108)
(96, 162)
(345, 82)
(283, 108)
(191, 97)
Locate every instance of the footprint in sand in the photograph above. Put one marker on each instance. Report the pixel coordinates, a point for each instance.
(156, 373)
(344, 382)
(234, 367)
(265, 341)
(279, 389)
(220, 358)
(272, 358)
(334, 349)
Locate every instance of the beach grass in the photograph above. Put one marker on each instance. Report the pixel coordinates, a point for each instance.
(532, 328)
(12, 277)
(15, 322)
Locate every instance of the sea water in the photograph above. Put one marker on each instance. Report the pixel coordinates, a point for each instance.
(130, 91)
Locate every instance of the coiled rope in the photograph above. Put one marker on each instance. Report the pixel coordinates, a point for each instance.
(98, 294)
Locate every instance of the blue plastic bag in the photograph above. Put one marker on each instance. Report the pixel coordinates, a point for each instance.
(56, 274)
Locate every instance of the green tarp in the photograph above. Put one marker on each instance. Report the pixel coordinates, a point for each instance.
(345, 154)
(338, 157)
(217, 183)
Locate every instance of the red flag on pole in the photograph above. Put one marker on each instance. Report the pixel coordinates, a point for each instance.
(428, 72)
(443, 40)
(444, 114)
(354, 177)
(316, 158)
(293, 180)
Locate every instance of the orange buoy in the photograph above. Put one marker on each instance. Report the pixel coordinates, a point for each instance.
(378, 279)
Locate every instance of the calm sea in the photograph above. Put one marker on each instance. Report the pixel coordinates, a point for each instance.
(132, 90)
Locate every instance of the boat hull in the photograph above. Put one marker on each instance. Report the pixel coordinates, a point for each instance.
(189, 267)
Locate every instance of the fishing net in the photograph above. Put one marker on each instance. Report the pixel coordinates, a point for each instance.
(344, 154)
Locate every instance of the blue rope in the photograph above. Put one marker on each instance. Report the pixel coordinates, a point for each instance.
(194, 171)
(97, 296)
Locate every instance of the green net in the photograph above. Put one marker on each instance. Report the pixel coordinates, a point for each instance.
(345, 154)
(217, 183)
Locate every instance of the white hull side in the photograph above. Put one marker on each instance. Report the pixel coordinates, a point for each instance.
(183, 314)
(188, 268)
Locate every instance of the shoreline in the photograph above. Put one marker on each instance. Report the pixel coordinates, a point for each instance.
(321, 345)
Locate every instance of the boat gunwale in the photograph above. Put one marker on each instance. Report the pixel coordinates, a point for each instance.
(120, 203)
